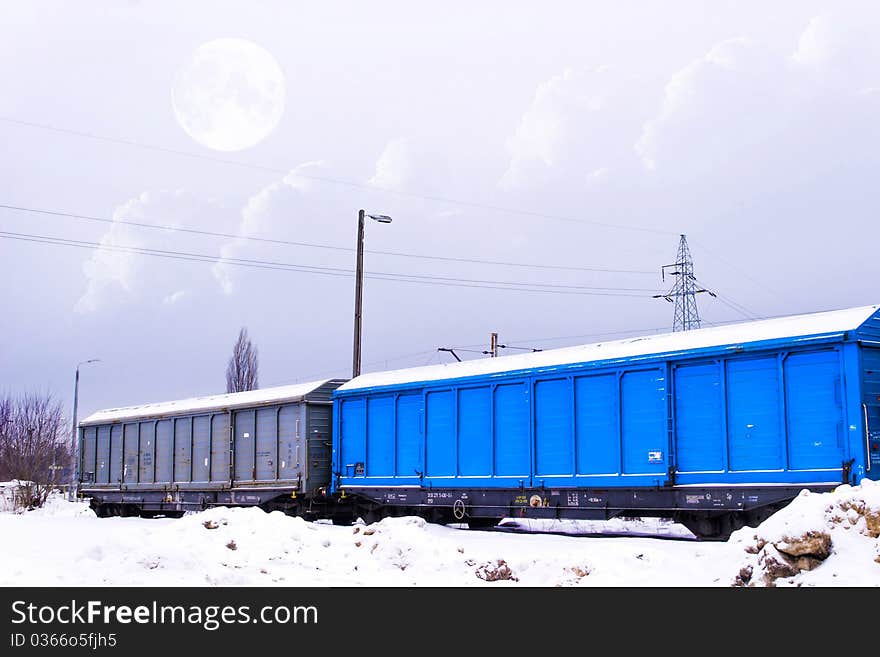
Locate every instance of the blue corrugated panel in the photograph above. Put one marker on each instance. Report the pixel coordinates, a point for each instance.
(699, 421)
(870, 329)
(352, 438)
(475, 432)
(409, 436)
(440, 434)
(554, 451)
(643, 422)
(512, 432)
(871, 409)
(380, 436)
(596, 423)
(754, 423)
(814, 406)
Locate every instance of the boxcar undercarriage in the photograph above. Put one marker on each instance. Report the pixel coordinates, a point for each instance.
(710, 513)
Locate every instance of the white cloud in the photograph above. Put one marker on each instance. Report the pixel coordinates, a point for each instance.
(816, 43)
(257, 217)
(598, 176)
(735, 80)
(577, 121)
(394, 166)
(743, 110)
(111, 272)
(174, 297)
(117, 276)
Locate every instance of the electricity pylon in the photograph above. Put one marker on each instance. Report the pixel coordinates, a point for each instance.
(685, 290)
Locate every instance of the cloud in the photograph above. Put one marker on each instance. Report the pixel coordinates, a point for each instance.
(118, 276)
(577, 124)
(260, 216)
(743, 110)
(816, 44)
(174, 297)
(724, 100)
(107, 271)
(840, 41)
(598, 176)
(394, 166)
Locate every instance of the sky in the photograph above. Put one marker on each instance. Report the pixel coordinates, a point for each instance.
(576, 140)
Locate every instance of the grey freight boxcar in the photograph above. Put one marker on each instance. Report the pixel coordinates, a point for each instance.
(269, 448)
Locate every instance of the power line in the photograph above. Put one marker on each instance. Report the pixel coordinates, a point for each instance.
(735, 268)
(334, 181)
(733, 304)
(550, 288)
(340, 369)
(591, 335)
(195, 231)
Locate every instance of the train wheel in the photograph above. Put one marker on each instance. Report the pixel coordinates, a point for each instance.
(482, 523)
(342, 519)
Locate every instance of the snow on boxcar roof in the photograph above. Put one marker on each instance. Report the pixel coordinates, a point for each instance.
(293, 392)
(731, 335)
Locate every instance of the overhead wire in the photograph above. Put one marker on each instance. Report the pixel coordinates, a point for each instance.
(735, 267)
(251, 238)
(335, 181)
(732, 304)
(552, 288)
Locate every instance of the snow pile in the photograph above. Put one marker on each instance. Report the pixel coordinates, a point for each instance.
(818, 540)
(7, 496)
(824, 539)
(60, 546)
(56, 503)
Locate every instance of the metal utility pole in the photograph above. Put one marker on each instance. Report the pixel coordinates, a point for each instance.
(358, 296)
(74, 457)
(359, 287)
(685, 290)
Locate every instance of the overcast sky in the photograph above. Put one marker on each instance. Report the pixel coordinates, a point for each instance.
(574, 134)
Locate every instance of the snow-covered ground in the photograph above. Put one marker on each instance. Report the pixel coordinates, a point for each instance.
(818, 540)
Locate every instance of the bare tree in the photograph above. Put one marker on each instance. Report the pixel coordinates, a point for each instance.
(241, 373)
(33, 445)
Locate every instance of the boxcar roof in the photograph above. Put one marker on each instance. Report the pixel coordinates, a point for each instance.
(291, 393)
(731, 336)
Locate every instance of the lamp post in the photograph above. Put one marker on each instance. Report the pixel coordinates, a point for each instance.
(74, 460)
(359, 286)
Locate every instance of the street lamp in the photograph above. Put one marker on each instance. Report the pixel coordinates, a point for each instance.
(74, 461)
(359, 286)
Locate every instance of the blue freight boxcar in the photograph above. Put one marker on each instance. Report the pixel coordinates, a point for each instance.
(714, 427)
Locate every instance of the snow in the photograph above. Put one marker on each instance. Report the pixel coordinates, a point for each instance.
(64, 544)
(849, 516)
(730, 336)
(208, 403)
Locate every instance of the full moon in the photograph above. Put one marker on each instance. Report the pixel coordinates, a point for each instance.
(229, 95)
